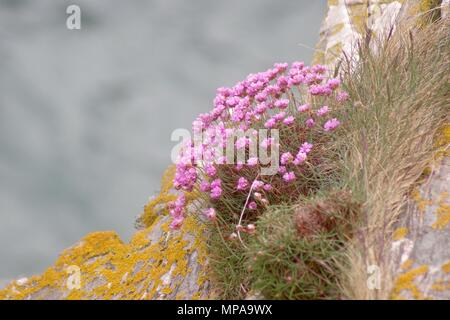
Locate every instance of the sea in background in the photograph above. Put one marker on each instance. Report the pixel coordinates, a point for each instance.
(86, 115)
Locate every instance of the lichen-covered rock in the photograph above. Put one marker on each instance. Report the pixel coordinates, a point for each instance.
(420, 253)
(156, 264)
(348, 20)
(423, 266)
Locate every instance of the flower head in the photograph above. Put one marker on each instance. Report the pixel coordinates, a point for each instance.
(331, 124)
(304, 107)
(242, 184)
(210, 213)
(310, 122)
(289, 120)
(322, 111)
(286, 158)
(289, 176)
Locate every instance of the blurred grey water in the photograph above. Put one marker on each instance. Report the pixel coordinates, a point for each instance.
(86, 115)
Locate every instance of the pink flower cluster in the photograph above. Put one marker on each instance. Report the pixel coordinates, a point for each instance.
(290, 96)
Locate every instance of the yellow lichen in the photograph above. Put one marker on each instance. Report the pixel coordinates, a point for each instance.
(446, 267)
(333, 53)
(400, 233)
(442, 213)
(405, 282)
(333, 2)
(407, 264)
(440, 285)
(111, 269)
(420, 201)
(358, 15)
(336, 28)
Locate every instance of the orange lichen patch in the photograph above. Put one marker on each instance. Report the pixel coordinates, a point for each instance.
(167, 179)
(407, 264)
(333, 53)
(336, 29)
(318, 57)
(442, 216)
(405, 282)
(358, 14)
(333, 2)
(440, 285)
(151, 213)
(400, 233)
(146, 268)
(420, 201)
(442, 142)
(430, 10)
(446, 267)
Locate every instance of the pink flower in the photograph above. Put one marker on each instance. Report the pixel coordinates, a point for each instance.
(320, 90)
(267, 142)
(252, 205)
(306, 147)
(281, 66)
(322, 111)
(310, 123)
(216, 183)
(252, 161)
(282, 103)
(289, 120)
(204, 186)
(176, 223)
(298, 65)
(279, 116)
(261, 108)
(333, 83)
(267, 187)
(342, 96)
(289, 176)
(318, 68)
(216, 192)
(286, 158)
(270, 123)
(241, 142)
(222, 160)
(210, 213)
(262, 96)
(331, 124)
(232, 101)
(176, 208)
(257, 184)
(304, 107)
(283, 82)
(242, 184)
(300, 158)
(295, 80)
(210, 170)
(282, 169)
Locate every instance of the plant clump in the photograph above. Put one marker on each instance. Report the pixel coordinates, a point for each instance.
(290, 106)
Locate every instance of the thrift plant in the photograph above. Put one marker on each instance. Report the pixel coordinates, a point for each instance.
(287, 104)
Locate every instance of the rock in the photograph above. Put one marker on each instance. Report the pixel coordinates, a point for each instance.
(156, 264)
(420, 255)
(423, 266)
